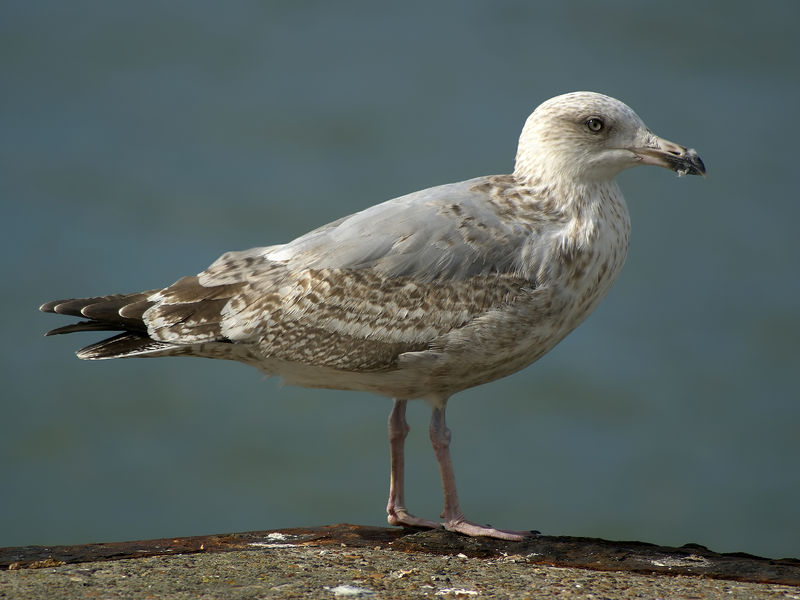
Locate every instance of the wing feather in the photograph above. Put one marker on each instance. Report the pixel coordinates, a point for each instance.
(353, 295)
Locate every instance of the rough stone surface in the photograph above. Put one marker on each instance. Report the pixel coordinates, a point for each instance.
(370, 562)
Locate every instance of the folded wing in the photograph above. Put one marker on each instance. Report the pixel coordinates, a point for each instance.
(352, 295)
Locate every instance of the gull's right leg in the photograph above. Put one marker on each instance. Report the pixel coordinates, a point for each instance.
(396, 508)
(453, 518)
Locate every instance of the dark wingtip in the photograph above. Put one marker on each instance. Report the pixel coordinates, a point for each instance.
(50, 307)
(85, 326)
(120, 346)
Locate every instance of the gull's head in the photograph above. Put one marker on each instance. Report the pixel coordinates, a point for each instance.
(585, 137)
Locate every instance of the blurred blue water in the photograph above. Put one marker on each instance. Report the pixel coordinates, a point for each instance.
(141, 140)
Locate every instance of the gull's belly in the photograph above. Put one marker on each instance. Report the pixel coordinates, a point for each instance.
(492, 346)
(506, 340)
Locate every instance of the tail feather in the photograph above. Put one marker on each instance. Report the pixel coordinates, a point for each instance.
(109, 312)
(121, 346)
(83, 326)
(104, 309)
(105, 313)
(185, 319)
(74, 306)
(135, 310)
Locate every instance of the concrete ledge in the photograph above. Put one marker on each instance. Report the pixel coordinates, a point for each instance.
(340, 560)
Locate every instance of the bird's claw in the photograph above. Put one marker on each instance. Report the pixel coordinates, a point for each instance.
(475, 530)
(399, 516)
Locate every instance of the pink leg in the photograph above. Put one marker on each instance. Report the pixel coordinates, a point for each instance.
(453, 518)
(396, 508)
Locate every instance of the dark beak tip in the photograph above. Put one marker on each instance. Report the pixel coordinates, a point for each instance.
(701, 167)
(690, 164)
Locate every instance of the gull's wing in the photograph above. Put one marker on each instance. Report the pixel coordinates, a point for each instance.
(390, 279)
(448, 232)
(353, 294)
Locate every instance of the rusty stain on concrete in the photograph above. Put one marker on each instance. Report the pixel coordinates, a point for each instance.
(583, 553)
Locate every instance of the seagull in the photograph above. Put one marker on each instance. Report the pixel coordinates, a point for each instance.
(421, 296)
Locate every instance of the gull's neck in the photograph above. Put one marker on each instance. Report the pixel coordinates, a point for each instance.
(571, 194)
(589, 208)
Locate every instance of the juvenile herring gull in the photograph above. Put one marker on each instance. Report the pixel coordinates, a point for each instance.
(421, 296)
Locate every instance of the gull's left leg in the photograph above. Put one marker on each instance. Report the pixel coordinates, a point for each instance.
(396, 508)
(453, 518)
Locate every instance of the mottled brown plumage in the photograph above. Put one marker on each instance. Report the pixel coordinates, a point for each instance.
(421, 296)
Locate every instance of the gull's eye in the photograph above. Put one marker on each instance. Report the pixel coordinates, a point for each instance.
(595, 125)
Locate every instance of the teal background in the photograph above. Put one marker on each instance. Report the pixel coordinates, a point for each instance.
(139, 141)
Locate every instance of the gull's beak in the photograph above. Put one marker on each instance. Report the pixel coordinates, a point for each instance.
(663, 153)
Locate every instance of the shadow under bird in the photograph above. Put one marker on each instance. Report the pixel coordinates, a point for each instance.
(421, 296)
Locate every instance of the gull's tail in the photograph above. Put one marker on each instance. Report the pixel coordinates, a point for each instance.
(118, 312)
